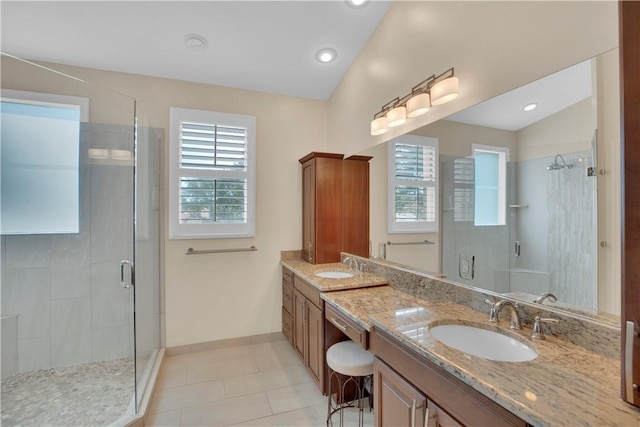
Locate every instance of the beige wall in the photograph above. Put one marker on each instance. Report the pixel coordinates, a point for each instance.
(494, 47)
(567, 131)
(609, 185)
(216, 296)
(455, 139)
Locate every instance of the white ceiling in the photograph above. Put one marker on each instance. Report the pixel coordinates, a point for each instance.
(551, 94)
(266, 46)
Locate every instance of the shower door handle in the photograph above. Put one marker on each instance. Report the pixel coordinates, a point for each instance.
(124, 283)
(516, 249)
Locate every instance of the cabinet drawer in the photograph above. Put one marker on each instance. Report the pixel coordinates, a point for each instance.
(287, 326)
(350, 328)
(308, 290)
(287, 275)
(287, 296)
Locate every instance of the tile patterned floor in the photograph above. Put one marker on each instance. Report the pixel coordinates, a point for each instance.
(91, 394)
(251, 385)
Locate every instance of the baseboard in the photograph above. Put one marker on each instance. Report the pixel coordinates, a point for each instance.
(230, 342)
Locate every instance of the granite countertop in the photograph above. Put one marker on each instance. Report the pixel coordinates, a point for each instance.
(359, 304)
(307, 271)
(565, 385)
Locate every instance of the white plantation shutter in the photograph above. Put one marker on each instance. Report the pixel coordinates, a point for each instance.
(413, 185)
(212, 179)
(463, 190)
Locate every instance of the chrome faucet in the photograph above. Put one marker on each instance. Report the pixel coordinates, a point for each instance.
(538, 331)
(544, 296)
(497, 307)
(352, 263)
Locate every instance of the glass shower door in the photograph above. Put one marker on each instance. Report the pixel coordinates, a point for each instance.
(148, 145)
(74, 322)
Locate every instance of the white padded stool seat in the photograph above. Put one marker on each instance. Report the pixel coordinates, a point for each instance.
(348, 358)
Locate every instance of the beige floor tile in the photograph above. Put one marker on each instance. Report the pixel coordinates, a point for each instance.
(161, 419)
(286, 358)
(171, 376)
(228, 411)
(166, 399)
(304, 417)
(201, 372)
(299, 396)
(261, 384)
(269, 380)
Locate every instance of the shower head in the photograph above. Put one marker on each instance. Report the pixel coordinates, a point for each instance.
(556, 165)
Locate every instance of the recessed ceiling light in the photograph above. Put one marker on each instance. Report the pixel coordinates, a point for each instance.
(195, 42)
(326, 55)
(530, 107)
(356, 3)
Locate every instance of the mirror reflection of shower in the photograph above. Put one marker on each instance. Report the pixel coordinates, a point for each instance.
(556, 165)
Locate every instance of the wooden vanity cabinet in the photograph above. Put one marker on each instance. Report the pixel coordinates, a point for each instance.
(346, 326)
(321, 207)
(335, 206)
(402, 377)
(397, 402)
(355, 205)
(308, 327)
(287, 304)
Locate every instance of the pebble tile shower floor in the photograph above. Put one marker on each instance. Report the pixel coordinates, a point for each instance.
(91, 394)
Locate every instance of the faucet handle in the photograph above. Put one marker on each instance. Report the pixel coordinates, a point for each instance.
(361, 267)
(538, 331)
(493, 314)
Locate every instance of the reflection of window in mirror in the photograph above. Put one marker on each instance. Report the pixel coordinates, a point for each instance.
(490, 184)
(413, 185)
(40, 162)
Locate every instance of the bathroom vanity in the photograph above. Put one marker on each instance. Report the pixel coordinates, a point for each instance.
(418, 379)
(303, 312)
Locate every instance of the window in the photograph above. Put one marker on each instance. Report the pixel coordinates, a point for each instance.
(490, 177)
(40, 154)
(463, 189)
(212, 174)
(413, 185)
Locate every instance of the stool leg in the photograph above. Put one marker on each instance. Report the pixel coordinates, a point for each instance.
(329, 406)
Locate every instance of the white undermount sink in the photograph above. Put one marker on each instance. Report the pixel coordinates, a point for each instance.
(483, 343)
(334, 274)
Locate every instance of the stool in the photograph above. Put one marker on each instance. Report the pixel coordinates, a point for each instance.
(348, 359)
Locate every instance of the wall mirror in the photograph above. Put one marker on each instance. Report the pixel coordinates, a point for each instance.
(522, 194)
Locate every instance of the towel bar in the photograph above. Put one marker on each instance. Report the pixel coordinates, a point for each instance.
(424, 242)
(192, 251)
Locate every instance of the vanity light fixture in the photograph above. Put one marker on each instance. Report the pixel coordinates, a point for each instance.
(396, 116)
(530, 107)
(434, 90)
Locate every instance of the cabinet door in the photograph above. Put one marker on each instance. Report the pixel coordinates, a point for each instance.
(299, 303)
(437, 417)
(308, 211)
(355, 205)
(315, 341)
(396, 402)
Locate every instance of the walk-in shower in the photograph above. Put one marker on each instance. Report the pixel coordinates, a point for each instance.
(77, 347)
(559, 163)
(548, 243)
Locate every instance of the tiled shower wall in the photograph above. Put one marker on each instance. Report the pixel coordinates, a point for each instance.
(555, 229)
(65, 288)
